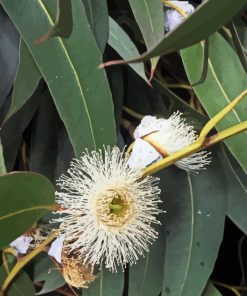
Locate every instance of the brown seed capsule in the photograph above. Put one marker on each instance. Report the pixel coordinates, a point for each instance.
(75, 272)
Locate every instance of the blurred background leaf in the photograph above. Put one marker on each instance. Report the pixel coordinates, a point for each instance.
(26, 198)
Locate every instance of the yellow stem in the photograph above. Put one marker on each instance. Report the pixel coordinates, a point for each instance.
(23, 261)
(10, 251)
(217, 118)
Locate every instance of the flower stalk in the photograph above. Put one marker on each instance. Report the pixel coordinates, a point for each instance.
(202, 142)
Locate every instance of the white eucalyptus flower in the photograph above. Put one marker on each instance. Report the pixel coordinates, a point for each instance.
(173, 134)
(173, 18)
(108, 211)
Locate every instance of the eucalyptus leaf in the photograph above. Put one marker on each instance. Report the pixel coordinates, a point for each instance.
(26, 81)
(236, 190)
(149, 16)
(9, 57)
(194, 228)
(207, 18)
(26, 198)
(145, 277)
(106, 284)
(123, 45)
(220, 88)
(85, 109)
(97, 14)
(45, 271)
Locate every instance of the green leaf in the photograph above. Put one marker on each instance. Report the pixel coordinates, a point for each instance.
(236, 191)
(199, 25)
(69, 66)
(145, 278)
(225, 80)
(9, 43)
(45, 271)
(25, 197)
(149, 16)
(123, 45)
(26, 81)
(97, 14)
(106, 284)
(210, 290)
(64, 22)
(194, 228)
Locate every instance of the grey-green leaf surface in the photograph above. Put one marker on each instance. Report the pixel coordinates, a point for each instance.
(45, 271)
(80, 91)
(124, 46)
(206, 19)
(145, 277)
(236, 191)
(9, 44)
(26, 198)
(97, 14)
(194, 228)
(64, 22)
(26, 81)
(225, 80)
(149, 16)
(106, 284)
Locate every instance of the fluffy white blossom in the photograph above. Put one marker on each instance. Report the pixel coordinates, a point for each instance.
(173, 18)
(108, 211)
(173, 134)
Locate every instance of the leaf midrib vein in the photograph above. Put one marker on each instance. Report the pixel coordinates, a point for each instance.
(43, 7)
(22, 211)
(192, 231)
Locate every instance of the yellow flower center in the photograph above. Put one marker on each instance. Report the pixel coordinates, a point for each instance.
(114, 208)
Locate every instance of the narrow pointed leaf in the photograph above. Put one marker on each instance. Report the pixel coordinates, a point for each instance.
(225, 80)
(149, 16)
(64, 22)
(236, 191)
(26, 81)
(145, 277)
(194, 228)
(206, 19)
(123, 45)
(97, 14)
(69, 66)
